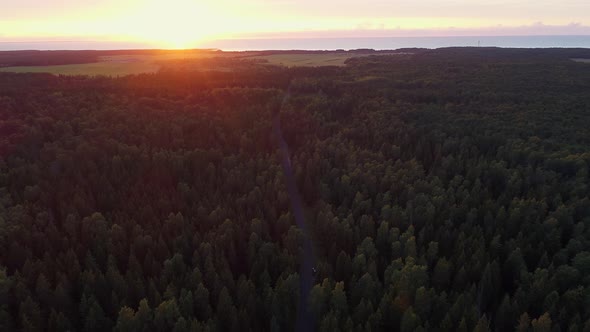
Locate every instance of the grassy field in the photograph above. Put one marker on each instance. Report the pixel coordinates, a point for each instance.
(91, 69)
(121, 65)
(313, 59)
(307, 60)
(152, 58)
(114, 65)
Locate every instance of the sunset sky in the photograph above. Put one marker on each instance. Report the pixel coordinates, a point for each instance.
(183, 23)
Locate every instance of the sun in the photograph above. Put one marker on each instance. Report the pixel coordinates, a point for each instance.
(177, 24)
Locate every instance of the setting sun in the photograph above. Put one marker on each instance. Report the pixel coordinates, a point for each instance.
(173, 24)
(201, 23)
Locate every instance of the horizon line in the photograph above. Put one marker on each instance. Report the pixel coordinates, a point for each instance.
(301, 37)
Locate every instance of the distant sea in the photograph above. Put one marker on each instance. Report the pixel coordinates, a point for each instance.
(388, 43)
(377, 43)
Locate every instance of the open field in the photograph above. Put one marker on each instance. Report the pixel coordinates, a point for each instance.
(121, 64)
(151, 58)
(314, 59)
(307, 60)
(111, 65)
(91, 69)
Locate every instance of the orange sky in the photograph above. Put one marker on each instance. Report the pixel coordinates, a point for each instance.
(188, 23)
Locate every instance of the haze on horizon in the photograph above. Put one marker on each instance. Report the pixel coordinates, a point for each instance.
(191, 23)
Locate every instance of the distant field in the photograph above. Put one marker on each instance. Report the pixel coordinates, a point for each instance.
(582, 60)
(130, 58)
(112, 65)
(307, 60)
(121, 65)
(137, 63)
(314, 59)
(91, 69)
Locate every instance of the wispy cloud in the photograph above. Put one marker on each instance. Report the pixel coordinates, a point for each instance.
(379, 30)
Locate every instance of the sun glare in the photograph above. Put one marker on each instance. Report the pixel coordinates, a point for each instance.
(174, 23)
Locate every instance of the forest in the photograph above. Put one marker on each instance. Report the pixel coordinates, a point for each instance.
(444, 190)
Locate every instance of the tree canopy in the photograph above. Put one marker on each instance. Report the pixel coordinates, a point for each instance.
(446, 190)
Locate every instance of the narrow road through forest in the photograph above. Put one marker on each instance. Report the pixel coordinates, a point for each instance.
(305, 320)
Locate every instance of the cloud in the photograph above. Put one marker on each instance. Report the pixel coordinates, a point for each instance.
(367, 29)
